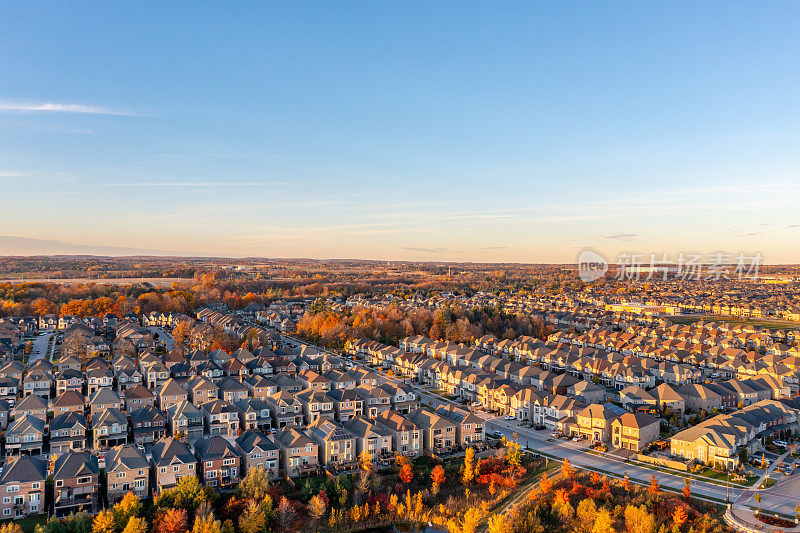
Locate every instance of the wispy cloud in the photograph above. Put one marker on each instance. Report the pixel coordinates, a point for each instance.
(10, 174)
(170, 184)
(621, 237)
(427, 250)
(48, 107)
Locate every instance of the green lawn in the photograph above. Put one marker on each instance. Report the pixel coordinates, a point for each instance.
(29, 523)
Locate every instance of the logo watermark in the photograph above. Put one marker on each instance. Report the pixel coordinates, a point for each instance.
(717, 266)
(591, 266)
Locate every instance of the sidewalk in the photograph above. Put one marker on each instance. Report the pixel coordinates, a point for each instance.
(745, 520)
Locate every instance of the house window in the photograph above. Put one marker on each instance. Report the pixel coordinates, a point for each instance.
(84, 480)
(59, 483)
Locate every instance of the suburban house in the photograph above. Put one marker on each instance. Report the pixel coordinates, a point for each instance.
(219, 461)
(634, 431)
(75, 478)
(68, 433)
(594, 422)
(22, 486)
(128, 470)
(172, 460)
(258, 450)
(299, 453)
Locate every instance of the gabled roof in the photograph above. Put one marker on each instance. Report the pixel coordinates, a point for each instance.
(67, 421)
(75, 464)
(26, 424)
(170, 450)
(104, 396)
(69, 398)
(138, 391)
(126, 457)
(171, 388)
(148, 413)
(250, 441)
(107, 417)
(184, 409)
(31, 403)
(214, 447)
(23, 469)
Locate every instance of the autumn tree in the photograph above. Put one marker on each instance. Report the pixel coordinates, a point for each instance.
(104, 522)
(11, 527)
(317, 507)
(499, 523)
(679, 516)
(406, 473)
(365, 461)
(285, 512)
(586, 513)
(626, 483)
(136, 525)
(757, 498)
(437, 478)
(128, 507)
(181, 332)
(469, 523)
(174, 520)
(545, 484)
(188, 494)
(514, 454)
(654, 487)
(687, 489)
(566, 469)
(207, 524)
(255, 484)
(638, 520)
(468, 471)
(253, 520)
(603, 523)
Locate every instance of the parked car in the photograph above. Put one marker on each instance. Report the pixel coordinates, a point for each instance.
(780, 443)
(511, 417)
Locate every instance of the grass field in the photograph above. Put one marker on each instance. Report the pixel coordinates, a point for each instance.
(755, 322)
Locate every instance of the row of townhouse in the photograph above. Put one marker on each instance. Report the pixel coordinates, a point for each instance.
(219, 462)
(718, 440)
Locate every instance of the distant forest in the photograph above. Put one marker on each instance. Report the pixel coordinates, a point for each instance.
(390, 324)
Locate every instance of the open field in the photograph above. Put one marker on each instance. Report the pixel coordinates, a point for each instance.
(755, 322)
(161, 282)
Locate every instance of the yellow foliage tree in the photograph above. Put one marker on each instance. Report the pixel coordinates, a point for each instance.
(470, 521)
(469, 466)
(136, 525)
(128, 507)
(603, 522)
(499, 523)
(207, 524)
(638, 520)
(104, 522)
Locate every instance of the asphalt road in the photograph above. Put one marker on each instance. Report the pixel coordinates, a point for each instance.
(40, 348)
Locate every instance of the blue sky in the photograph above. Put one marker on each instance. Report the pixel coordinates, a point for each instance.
(442, 131)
